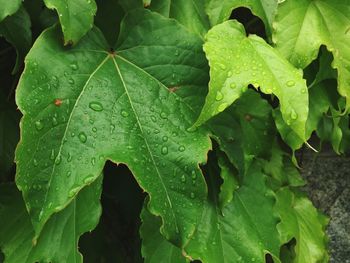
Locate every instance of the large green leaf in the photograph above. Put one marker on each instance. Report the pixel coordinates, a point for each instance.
(86, 105)
(9, 8)
(59, 239)
(220, 10)
(16, 30)
(190, 13)
(302, 26)
(236, 61)
(301, 220)
(155, 248)
(244, 231)
(76, 17)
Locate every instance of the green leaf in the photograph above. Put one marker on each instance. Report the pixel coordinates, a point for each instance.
(76, 17)
(229, 176)
(190, 13)
(301, 220)
(58, 241)
(220, 10)
(245, 132)
(87, 105)
(9, 8)
(9, 134)
(236, 61)
(16, 30)
(246, 232)
(302, 26)
(155, 248)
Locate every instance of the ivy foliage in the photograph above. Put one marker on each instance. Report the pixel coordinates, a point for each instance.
(201, 117)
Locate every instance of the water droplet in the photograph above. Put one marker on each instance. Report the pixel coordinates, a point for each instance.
(153, 118)
(293, 115)
(82, 137)
(58, 159)
(89, 180)
(124, 113)
(69, 173)
(219, 96)
(165, 138)
(96, 106)
(74, 66)
(73, 191)
(290, 83)
(194, 175)
(222, 107)
(39, 125)
(35, 162)
(222, 66)
(94, 129)
(112, 128)
(229, 73)
(69, 158)
(183, 178)
(164, 150)
(193, 195)
(52, 155)
(71, 81)
(93, 161)
(182, 148)
(233, 85)
(54, 121)
(163, 115)
(303, 90)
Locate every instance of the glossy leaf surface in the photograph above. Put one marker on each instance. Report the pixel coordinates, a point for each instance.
(92, 105)
(236, 61)
(76, 17)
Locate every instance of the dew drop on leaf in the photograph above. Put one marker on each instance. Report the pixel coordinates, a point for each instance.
(222, 107)
(293, 115)
(233, 85)
(39, 125)
(164, 150)
(181, 148)
(82, 137)
(193, 195)
(124, 113)
(219, 96)
(290, 83)
(96, 106)
(183, 178)
(74, 66)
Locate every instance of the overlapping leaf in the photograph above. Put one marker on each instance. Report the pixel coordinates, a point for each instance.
(244, 231)
(220, 10)
(190, 13)
(85, 105)
(16, 30)
(59, 239)
(9, 8)
(76, 17)
(301, 220)
(236, 61)
(155, 248)
(302, 26)
(243, 131)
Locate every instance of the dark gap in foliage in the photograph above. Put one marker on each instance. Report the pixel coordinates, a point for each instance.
(287, 252)
(110, 27)
(268, 258)
(116, 238)
(252, 23)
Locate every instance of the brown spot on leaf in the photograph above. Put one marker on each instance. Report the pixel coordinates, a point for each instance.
(57, 102)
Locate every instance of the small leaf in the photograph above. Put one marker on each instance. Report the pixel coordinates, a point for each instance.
(59, 239)
(246, 232)
(302, 26)
(155, 248)
(9, 8)
(190, 13)
(16, 30)
(220, 10)
(76, 17)
(301, 220)
(236, 61)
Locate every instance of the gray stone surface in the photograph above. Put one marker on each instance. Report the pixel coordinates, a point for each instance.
(328, 177)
